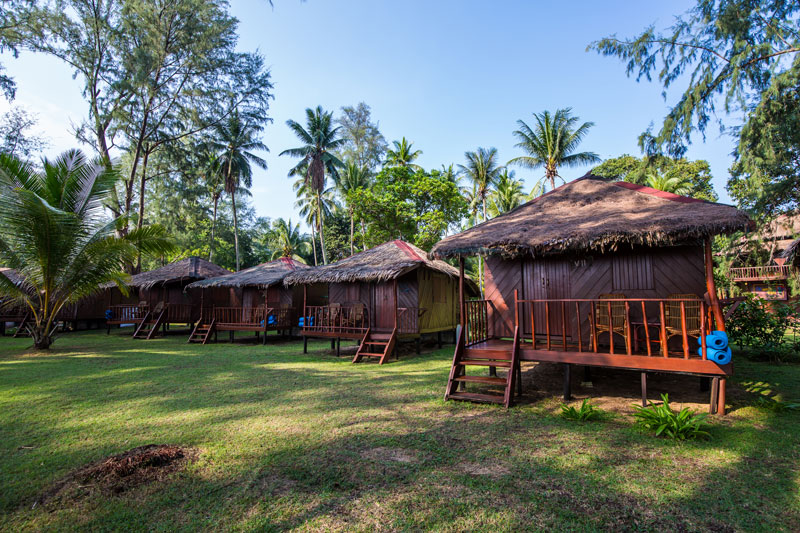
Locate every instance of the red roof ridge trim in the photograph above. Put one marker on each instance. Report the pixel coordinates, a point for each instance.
(664, 195)
(408, 250)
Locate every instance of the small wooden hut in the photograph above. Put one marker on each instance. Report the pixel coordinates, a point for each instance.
(378, 296)
(254, 299)
(157, 297)
(593, 273)
(10, 313)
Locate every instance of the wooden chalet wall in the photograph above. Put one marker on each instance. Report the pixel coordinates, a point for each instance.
(420, 288)
(638, 273)
(438, 295)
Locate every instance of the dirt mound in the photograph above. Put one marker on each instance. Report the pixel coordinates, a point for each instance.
(118, 473)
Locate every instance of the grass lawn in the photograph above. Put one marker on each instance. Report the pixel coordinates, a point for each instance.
(313, 442)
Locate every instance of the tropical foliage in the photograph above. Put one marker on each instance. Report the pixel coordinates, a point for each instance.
(54, 233)
(665, 422)
(402, 155)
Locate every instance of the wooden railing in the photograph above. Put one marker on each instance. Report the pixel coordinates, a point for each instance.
(335, 318)
(645, 326)
(477, 321)
(408, 319)
(180, 313)
(267, 317)
(757, 273)
(128, 313)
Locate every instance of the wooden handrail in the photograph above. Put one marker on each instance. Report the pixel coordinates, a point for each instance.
(755, 273)
(336, 318)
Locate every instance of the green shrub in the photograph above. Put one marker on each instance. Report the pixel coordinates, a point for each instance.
(762, 326)
(683, 425)
(773, 404)
(585, 412)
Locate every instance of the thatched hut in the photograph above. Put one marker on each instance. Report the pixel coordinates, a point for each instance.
(590, 264)
(388, 292)
(157, 296)
(253, 299)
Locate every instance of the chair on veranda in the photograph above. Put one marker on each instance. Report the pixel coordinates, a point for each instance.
(618, 321)
(691, 310)
(334, 312)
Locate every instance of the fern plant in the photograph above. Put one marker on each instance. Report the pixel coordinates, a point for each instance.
(585, 412)
(664, 421)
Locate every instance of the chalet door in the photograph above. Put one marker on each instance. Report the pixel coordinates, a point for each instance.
(545, 280)
(383, 306)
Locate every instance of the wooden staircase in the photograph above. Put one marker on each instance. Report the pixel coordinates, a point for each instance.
(22, 330)
(484, 356)
(148, 328)
(202, 332)
(376, 344)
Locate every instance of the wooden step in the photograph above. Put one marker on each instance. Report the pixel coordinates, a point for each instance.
(484, 362)
(368, 354)
(482, 379)
(488, 353)
(376, 343)
(380, 336)
(476, 397)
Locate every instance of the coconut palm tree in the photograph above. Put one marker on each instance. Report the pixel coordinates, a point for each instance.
(551, 143)
(402, 155)
(350, 180)
(482, 171)
(289, 242)
(214, 179)
(55, 234)
(236, 139)
(507, 194)
(313, 207)
(673, 184)
(320, 141)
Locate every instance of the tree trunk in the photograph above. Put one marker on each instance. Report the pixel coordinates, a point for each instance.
(235, 229)
(352, 233)
(213, 229)
(140, 222)
(314, 242)
(321, 228)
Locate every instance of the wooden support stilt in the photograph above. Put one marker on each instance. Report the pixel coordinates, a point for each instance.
(338, 347)
(721, 397)
(519, 379)
(712, 404)
(333, 344)
(567, 382)
(305, 344)
(644, 389)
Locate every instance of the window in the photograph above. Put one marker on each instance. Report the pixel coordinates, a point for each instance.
(632, 272)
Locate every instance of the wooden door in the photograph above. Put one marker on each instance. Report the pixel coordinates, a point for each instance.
(545, 280)
(383, 307)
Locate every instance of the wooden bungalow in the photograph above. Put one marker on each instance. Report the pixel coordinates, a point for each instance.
(386, 293)
(157, 297)
(254, 299)
(10, 312)
(593, 273)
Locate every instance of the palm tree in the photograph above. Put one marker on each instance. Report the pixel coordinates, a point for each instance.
(320, 140)
(352, 179)
(552, 142)
(507, 194)
(55, 234)
(289, 242)
(402, 155)
(215, 182)
(236, 140)
(313, 207)
(482, 171)
(673, 184)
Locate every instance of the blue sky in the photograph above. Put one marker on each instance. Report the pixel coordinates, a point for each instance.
(449, 75)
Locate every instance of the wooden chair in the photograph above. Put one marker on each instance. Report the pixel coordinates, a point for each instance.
(334, 312)
(617, 324)
(691, 311)
(357, 316)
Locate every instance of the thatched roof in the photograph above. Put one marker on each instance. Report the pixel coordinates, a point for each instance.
(260, 276)
(388, 261)
(191, 268)
(790, 253)
(594, 214)
(12, 275)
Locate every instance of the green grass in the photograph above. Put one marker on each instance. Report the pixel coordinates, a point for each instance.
(311, 442)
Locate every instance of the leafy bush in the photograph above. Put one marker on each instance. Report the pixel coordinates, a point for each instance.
(683, 425)
(773, 404)
(762, 326)
(585, 412)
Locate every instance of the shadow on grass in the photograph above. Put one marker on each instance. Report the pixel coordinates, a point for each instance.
(339, 446)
